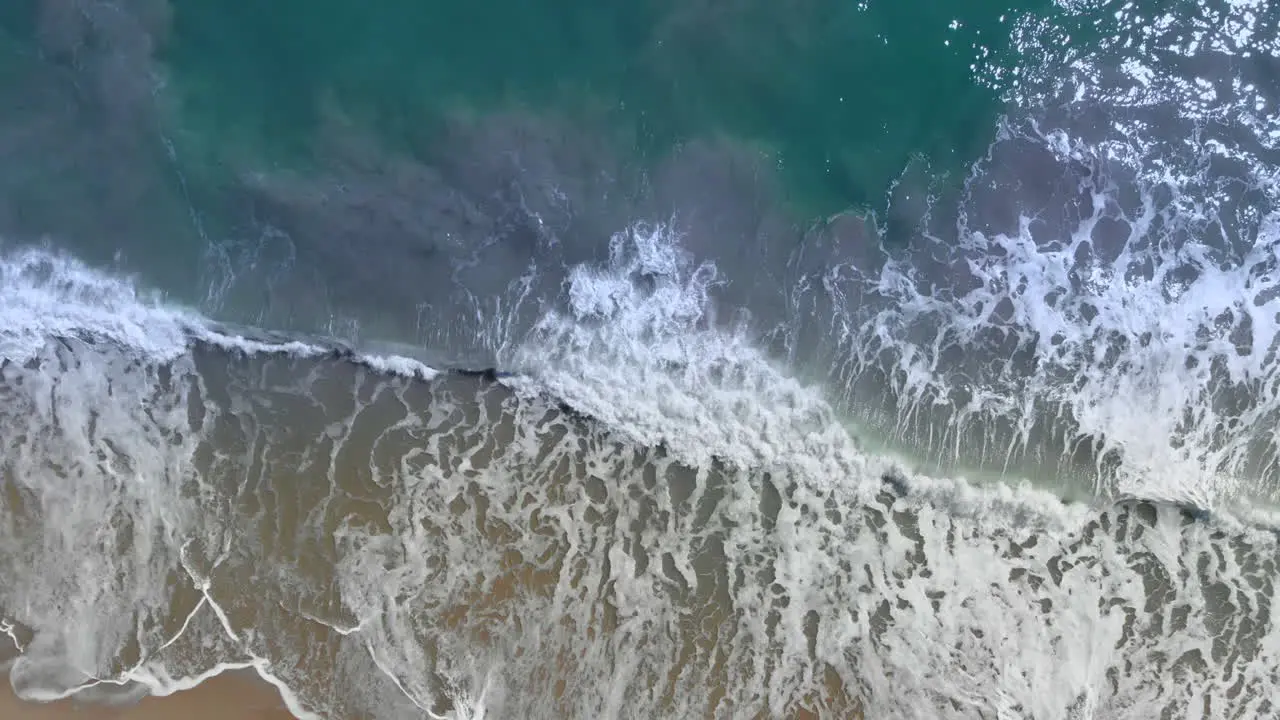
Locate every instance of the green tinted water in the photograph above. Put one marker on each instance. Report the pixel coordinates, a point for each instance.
(841, 93)
(837, 97)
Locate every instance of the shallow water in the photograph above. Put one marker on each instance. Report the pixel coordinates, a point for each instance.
(388, 545)
(229, 697)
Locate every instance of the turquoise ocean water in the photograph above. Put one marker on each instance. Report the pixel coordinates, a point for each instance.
(716, 358)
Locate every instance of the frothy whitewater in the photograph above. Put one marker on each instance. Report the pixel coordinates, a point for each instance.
(650, 519)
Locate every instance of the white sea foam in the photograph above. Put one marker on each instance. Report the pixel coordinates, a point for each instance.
(1144, 363)
(1111, 279)
(916, 595)
(645, 320)
(48, 295)
(911, 601)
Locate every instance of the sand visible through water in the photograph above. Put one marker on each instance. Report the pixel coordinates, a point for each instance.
(231, 696)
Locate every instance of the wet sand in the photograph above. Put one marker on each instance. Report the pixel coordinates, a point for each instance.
(230, 696)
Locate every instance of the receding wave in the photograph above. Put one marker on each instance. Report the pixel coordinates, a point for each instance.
(699, 543)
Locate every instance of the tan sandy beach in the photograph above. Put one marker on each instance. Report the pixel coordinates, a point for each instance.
(230, 696)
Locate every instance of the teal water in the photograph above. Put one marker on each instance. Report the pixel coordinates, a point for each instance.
(174, 128)
(841, 94)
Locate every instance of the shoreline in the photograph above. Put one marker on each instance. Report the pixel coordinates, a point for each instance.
(231, 695)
